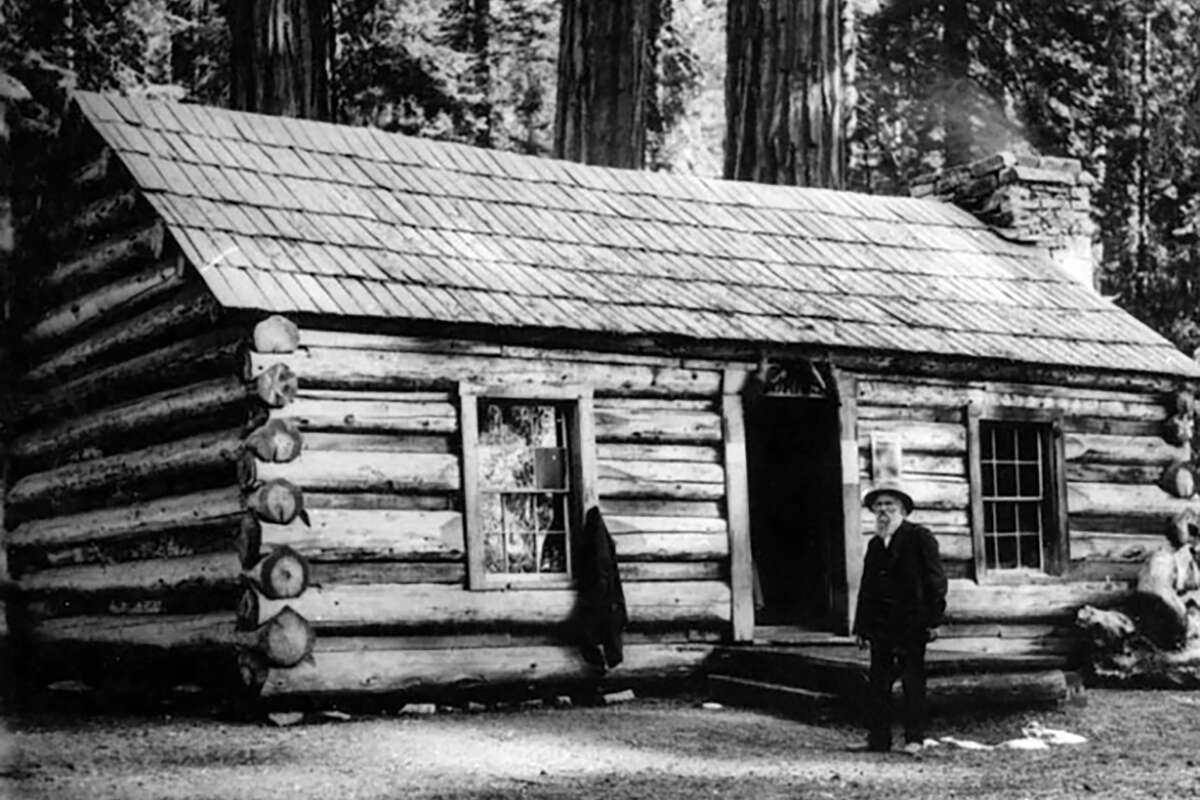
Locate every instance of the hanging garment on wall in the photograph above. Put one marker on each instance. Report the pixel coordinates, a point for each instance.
(602, 601)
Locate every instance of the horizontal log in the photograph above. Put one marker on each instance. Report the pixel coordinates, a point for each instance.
(345, 413)
(663, 524)
(656, 425)
(150, 418)
(180, 513)
(276, 334)
(918, 464)
(661, 471)
(1147, 409)
(368, 501)
(1111, 427)
(97, 217)
(430, 672)
(366, 472)
(1114, 546)
(915, 392)
(674, 571)
(400, 607)
(910, 414)
(1144, 523)
(193, 311)
(645, 507)
(1144, 474)
(630, 488)
(359, 572)
(337, 534)
(199, 631)
(1108, 449)
(379, 442)
(1008, 646)
(349, 368)
(970, 602)
(1093, 569)
(954, 521)
(107, 258)
(203, 455)
(190, 361)
(212, 572)
(171, 544)
(121, 295)
(948, 694)
(928, 437)
(671, 546)
(700, 454)
(1122, 499)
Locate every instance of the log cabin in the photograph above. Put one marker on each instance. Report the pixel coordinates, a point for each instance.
(310, 410)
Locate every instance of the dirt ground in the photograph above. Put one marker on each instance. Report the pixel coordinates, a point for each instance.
(1141, 745)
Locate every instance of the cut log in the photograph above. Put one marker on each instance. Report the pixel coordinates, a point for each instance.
(281, 574)
(970, 602)
(1118, 499)
(212, 572)
(948, 694)
(368, 572)
(421, 607)
(190, 312)
(367, 472)
(277, 501)
(156, 417)
(277, 386)
(396, 414)
(286, 639)
(352, 368)
(276, 334)
(699, 454)
(671, 546)
(661, 508)
(107, 258)
(619, 424)
(195, 458)
(632, 488)
(195, 631)
(277, 441)
(379, 442)
(429, 672)
(661, 472)
(1107, 449)
(106, 214)
(121, 295)
(203, 510)
(1178, 480)
(337, 534)
(190, 361)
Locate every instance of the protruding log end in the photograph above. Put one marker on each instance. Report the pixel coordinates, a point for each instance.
(276, 334)
(254, 669)
(247, 611)
(1178, 480)
(278, 441)
(1178, 429)
(286, 639)
(281, 575)
(248, 541)
(277, 501)
(277, 386)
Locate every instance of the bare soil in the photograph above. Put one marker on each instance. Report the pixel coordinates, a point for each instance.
(1142, 744)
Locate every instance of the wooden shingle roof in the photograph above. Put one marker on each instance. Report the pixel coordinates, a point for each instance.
(288, 215)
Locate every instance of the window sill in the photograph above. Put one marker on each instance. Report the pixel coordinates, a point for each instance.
(505, 583)
(1019, 577)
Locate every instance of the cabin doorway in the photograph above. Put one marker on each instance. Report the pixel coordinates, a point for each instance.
(793, 460)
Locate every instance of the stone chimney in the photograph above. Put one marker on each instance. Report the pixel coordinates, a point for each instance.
(1035, 200)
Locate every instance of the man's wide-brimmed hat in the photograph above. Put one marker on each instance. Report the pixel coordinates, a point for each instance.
(893, 489)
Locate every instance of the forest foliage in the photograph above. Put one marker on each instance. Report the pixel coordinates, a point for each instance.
(1113, 83)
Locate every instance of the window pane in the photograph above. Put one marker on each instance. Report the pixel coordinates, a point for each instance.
(550, 468)
(1030, 481)
(522, 552)
(989, 480)
(1006, 518)
(494, 553)
(1027, 443)
(1006, 552)
(519, 513)
(491, 512)
(1006, 481)
(554, 553)
(1029, 517)
(550, 511)
(989, 550)
(1005, 440)
(1031, 552)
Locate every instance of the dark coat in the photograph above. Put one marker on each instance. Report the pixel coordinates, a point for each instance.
(909, 570)
(601, 598)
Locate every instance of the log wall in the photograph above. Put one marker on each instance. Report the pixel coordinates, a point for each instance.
(124, 504)
(1115, 456)
(378, 471)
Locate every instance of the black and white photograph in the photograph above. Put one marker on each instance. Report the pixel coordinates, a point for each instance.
(622, 399)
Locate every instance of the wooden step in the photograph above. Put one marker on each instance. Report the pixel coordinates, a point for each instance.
(790, 700)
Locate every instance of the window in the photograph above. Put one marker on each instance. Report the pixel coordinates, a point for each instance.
(526, 477)
(1017, 493)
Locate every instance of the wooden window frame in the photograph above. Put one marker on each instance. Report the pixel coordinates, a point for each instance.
(581, 443)
(1058, 557)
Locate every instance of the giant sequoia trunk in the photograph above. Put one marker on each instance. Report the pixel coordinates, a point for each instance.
(280, 57)
(605, 71)
(785, 82)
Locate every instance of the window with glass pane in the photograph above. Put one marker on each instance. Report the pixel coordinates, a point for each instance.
(524, 486)
(1014, 458)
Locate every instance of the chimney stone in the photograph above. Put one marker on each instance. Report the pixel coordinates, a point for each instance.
(1037, 200)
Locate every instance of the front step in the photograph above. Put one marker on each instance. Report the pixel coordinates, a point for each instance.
(790, 700)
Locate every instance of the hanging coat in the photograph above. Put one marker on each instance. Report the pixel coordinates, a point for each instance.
(601, 600)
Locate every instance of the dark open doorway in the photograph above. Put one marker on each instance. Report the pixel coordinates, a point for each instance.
(795, 509)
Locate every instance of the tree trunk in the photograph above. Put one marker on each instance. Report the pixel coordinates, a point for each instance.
(604, 76)
(785, 106)
(956, 60)
(281, 52)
